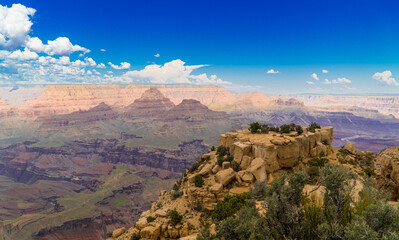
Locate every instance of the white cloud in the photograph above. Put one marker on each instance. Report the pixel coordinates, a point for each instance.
(324, 71)
(15, 25)
(310, 82)
(338, 81)
(23, 55)
(103, 50)
(101, 65)
(60, 46)
(123, 66)
(314, 76)
(272, 71)
(172, 72)
(385, 78)
(157, 55)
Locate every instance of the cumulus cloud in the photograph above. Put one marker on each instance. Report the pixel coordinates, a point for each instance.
(15, 25)
(23, 55)
(338, 81)
(103, 50)
(385, 78)
(101, 65)
(172, 72)
(324, 71)
(314, 76)
(60, 46)
(123, 66)
(272, 71)
(157, 55)
(310, 82)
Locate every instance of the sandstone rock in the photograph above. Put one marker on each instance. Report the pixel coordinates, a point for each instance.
(205, 170)
(173, 232)
(141, 223)
(226, 165)
(212, 229)
(215, 169)
(241, 149)
(350, 148)
(288, 155)
(248, 177)
(387, 170)
(258, 169)
(161, 213)
(216, 188)
(151, 232)
(277, 141)
(246, 161)
(116, 233)
(225, 176)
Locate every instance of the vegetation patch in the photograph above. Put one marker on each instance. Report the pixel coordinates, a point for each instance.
(229, 206)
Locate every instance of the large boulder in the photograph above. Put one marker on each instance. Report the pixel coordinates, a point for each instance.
(116, 233)
(258, 169)
(350, 148)
(225, 176)
(151, 232)
(387, 169)
(241, 149)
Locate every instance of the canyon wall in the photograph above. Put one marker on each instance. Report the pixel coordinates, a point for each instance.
(63, 99)
(384, 104)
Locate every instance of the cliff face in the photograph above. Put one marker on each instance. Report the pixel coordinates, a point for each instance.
(63, 99)
(384, 104)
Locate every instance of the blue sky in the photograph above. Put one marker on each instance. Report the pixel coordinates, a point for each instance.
(239, 41)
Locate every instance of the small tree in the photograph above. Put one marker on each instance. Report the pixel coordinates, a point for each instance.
(298, 129)
(175, 217)
(312, 127)
(254, 127)
(198, 181)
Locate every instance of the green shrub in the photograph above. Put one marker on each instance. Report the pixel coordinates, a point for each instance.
(254, 127)
(274, 129)
(213, 148)
(299, 129)
(196, 165)
(108, 235)
(235, 166)
(285, 128)
(150, 219)
(198, 181)
(175, 217)
(222, 151)
(258, 192)
(325, 142)
(229, 206)
(176, 194)
(312, 127)
(265, 128)
(135, 236)
(368, 171)
(317, 162)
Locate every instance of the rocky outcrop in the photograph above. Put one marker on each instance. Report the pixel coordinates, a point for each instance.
(151, 104)
(387, 170)
(264, 154)
(191, 110)
(261, 156)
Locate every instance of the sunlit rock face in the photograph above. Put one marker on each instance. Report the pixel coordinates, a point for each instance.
(63, 99)
(151, 104)
(192, 110)
(384, 104)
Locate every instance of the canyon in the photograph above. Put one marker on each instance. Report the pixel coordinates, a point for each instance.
(72, 140)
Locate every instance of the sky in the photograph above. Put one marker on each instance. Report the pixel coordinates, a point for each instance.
(275, 47)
